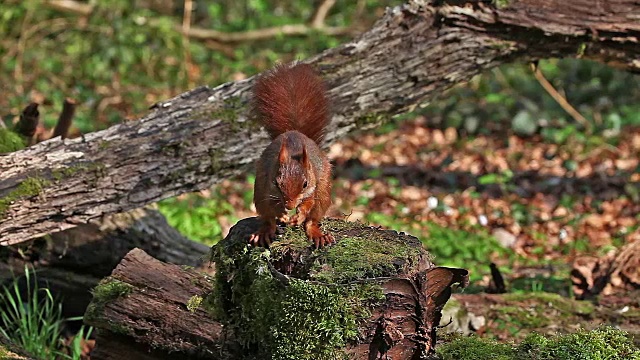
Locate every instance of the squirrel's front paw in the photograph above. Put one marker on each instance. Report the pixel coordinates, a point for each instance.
(319, 238)
(263, 237)
(284, 219)
(323, 240)
(297, 219)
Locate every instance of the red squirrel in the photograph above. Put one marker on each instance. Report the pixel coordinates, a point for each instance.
(290, 101)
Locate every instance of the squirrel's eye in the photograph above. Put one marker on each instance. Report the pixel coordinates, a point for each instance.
(304, 185)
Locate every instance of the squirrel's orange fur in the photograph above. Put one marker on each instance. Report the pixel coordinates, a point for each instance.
(292, 172)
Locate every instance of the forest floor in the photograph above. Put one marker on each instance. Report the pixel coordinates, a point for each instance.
(529, 206)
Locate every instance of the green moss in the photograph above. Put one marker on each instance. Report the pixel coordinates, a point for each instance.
(602, 343)
(474, 348)
(194, 303)
(119, 328)
(111, 289)
(581, 49)
(231, 111)
(280, 317)
(538, 310)
(214, 160)
(60, 174)
(599, 344)
(67, 172)
(10, 141)
(106, 291)
(30, 187)
(557, 301)
(104, 144)
(369, 120)
(501, 4)
(368, 253)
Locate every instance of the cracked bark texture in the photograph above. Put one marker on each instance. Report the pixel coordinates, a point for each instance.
(411, 55)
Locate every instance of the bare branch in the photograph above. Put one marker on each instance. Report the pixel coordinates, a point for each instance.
(65, 119)
(561, 100)
(71, 6)
(317, 21)
(262, 34)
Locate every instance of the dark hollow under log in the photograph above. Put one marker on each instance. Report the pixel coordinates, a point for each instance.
(70, 263)
(411, 55)
(374, 293)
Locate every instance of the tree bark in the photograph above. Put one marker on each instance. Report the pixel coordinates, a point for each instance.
(152, 307)
(152, 315)
(194, 140)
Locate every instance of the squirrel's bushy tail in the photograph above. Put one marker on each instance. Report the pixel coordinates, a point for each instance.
(291, 97)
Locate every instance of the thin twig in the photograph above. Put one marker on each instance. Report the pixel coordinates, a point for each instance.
(317, 21)
(65, 119)
(265, 33)
(561, 100)
(186, 25)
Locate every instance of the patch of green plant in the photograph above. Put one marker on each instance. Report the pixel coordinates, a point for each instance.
(552, 284)
(194, 303)
(32, 319)
(10, 141)
(605, 343)
(196, 216)
(450, 247)
(465, 249)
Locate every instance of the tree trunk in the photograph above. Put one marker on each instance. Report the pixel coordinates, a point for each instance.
(374, 293)
(411, 55)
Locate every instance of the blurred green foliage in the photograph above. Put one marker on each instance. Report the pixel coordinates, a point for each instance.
(450, 247)
(197, 217)
(509, 97)
(126, 55)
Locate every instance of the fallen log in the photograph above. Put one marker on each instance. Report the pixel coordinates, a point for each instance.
(411, 55)
(374, 293)
(70, 263)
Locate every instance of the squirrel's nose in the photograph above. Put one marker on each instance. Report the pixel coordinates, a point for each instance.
(290, 205)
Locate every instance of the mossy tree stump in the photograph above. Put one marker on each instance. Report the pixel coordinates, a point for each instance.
(375, 293)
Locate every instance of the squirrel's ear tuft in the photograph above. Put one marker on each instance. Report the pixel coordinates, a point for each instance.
(284, 153)
(305, 157)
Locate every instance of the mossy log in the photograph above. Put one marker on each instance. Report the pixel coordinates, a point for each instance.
(409, 57)
(374, 293)
(71, 262)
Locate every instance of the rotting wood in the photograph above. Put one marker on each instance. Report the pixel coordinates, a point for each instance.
(379, 281)
(194, 140)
